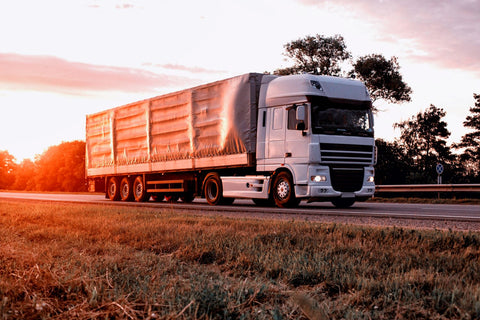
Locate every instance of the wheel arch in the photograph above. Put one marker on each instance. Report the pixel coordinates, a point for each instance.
(276, 172)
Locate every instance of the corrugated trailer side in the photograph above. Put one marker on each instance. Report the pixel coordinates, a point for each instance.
(209, 126)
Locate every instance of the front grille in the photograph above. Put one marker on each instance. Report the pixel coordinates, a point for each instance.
(347, 179)
(337, 153)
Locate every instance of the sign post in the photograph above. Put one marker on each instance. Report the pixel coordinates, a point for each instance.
(439, 169)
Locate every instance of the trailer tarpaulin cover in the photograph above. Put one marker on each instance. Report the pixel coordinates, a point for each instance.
(215, 119)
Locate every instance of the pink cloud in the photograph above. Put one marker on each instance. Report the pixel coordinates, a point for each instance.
(446, 32)
(48, 73)
(180, 67)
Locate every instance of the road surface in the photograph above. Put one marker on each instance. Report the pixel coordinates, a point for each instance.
(443, 216)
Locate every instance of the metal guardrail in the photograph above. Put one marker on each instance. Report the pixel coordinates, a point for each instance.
(428, 188)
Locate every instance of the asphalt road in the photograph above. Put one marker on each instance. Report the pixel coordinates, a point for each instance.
(310, 211)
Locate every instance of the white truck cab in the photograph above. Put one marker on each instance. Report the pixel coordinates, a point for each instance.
(316, 134)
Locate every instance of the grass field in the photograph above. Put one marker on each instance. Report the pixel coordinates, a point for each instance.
(101, 262)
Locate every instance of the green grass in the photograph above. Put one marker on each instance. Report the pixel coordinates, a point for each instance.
(90, 261)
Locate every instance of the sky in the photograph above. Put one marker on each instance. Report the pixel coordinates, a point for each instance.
(61, 60)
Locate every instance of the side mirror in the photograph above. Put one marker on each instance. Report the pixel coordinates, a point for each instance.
(300, 117)
(300, 113)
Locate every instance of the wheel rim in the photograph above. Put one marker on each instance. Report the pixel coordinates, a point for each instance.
(212, 190)
(125, 190)
(138, 190)
(112, 189)
(283, 189)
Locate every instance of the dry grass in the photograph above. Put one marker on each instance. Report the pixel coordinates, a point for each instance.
(88, 261)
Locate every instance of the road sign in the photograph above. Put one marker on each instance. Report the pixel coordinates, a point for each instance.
(439, 168)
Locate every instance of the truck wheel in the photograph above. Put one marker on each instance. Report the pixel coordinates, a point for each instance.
(139, 190)
(343, 203)
(213, 189)
(126, 192)
(283, 191)
(113, 189)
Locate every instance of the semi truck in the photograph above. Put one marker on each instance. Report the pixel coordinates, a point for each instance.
(277, 140)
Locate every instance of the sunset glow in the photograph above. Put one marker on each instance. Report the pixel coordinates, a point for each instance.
(62, 60)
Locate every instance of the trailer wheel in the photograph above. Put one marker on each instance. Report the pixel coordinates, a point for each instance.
(139, 190)
(126, 192)
(283, 191)
(343, 203)
(113, 189)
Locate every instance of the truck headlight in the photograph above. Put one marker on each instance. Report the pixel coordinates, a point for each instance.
(318, 178)
(371, 179)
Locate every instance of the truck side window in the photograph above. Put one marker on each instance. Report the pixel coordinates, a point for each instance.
(277, 118)
(292, 119)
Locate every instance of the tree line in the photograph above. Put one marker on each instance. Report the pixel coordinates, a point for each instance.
(410, 159)
(59, 168)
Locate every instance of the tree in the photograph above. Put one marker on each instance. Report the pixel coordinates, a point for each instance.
(423, 138)
(323, 55)
(471, 141)
(382, 78)
(7, 168)
(61, 168)
(25, 176)
(316, 55)
(392, 166)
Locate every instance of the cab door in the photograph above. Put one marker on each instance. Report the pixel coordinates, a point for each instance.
(297, 142)
(275, 153)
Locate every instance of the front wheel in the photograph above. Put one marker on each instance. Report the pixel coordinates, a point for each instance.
(343, 203)
(283, 191)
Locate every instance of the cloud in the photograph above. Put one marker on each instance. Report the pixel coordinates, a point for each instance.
(179, 67)
(443, 32)
(49, 73)
(116, 4)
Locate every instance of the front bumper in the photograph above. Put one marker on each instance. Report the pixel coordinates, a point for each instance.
(324, 190)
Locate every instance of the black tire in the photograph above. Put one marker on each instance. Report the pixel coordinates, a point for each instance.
(113, 189)
(343, 203)
(283, 191)
(212, 189)
(139, 190)
(126, 192)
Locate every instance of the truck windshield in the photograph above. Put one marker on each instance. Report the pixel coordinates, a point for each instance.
(343, 117)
